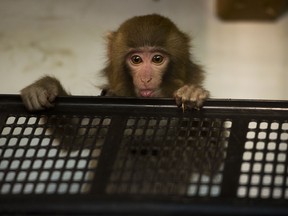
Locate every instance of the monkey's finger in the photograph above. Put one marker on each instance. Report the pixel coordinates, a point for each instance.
(191, 104)
(44, 100)
(201, 97)
(183, 107)
(35, 100)
(51, 97)
(25, 98)
(178, 101)
(28, 98)
(28, 103)
(179, 94)
(33, 103)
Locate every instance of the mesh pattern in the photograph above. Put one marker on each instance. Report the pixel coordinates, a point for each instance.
(133, 152)
(264, 168)
(171, 156)
(32, 162)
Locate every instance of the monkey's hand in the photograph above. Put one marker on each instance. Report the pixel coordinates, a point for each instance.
(42, 93)
(191, 96)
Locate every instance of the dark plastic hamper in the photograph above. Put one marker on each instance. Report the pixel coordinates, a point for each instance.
(127, 156)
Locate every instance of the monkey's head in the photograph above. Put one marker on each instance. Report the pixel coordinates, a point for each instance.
(148, 57)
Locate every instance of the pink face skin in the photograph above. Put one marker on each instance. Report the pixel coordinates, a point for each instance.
(147, 67)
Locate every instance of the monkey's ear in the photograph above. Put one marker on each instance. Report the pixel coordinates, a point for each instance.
(110, 35)
(109, 38)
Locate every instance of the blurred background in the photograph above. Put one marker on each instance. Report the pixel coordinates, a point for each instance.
(244, 57)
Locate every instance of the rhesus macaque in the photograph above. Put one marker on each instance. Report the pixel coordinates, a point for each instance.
(148, 56)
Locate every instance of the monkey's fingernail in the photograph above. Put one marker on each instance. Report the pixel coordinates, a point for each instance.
(183, 107)
(178, 102)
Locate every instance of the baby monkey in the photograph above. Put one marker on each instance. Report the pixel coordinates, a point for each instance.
(148, 56)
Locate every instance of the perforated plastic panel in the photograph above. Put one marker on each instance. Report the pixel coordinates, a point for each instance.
(131, 156)
(265, 160)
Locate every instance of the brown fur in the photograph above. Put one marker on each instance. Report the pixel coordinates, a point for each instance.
(153, 31)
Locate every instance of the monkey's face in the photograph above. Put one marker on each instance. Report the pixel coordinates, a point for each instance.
(147, 66)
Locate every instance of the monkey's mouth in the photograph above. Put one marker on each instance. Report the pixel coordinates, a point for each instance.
(146, 92)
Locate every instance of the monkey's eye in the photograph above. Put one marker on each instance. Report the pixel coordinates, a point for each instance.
(136, 59)
(157, 59)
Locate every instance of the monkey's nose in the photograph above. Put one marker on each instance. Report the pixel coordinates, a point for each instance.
(146, 80)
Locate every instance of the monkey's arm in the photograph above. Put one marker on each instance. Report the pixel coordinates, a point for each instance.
(42, 93)
(191, 96)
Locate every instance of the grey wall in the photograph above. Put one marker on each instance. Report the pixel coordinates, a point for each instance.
(66, 38)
